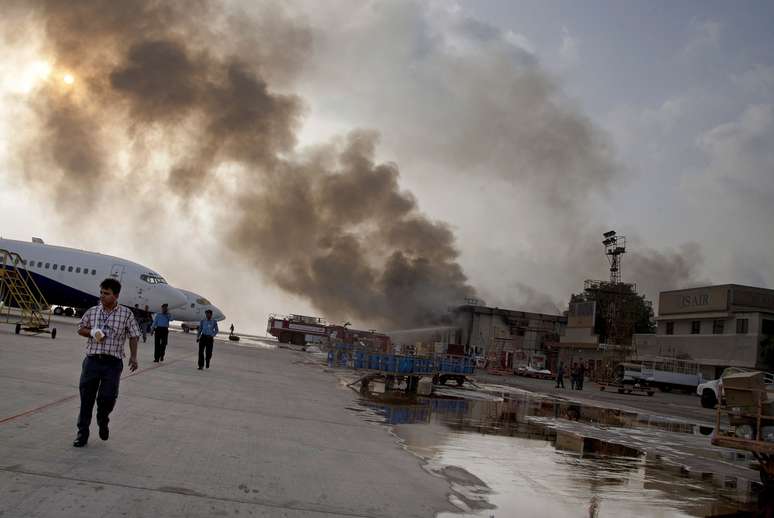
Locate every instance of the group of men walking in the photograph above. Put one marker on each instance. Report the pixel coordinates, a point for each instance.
(106, 327)
(577, 375)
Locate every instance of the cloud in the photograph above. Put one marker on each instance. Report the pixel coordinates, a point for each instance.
(569, 51)
(758, 80)
(703, 34)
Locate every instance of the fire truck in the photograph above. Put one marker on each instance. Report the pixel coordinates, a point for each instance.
(297, 329)
(302, 330)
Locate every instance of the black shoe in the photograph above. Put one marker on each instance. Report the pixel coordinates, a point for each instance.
(162, 358)
(208, 365)
(155, 361)
(200, 368)
(104, 432)
(80, 441)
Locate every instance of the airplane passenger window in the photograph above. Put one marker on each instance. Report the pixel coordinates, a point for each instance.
(69, 268)
(78, 270)
(94, 272)
(85, 271)
(40, 264)
(54, 266)
(47, 265)
(203, 301)
(193, 305)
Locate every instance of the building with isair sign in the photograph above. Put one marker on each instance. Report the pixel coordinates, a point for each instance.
(716, 326)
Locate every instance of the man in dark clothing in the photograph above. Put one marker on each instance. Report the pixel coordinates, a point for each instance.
(581, 375)
(106, 326)
(560, 376)
(208, 329)
(160, 330)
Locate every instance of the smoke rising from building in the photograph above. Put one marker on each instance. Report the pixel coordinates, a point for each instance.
(332, 226)
(198, 99)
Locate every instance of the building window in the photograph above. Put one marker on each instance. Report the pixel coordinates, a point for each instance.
(767, 327)
(742, 326)
(670, 328)
(717, 327)
(695, 327)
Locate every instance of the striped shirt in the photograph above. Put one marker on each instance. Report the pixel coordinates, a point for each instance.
(116, 324)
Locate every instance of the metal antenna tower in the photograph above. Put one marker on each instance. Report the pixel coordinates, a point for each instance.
(615, 247)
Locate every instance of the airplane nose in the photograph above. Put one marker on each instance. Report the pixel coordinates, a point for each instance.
(218, 315)
(174, 297)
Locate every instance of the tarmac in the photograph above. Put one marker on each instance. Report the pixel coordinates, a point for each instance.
(260, 433)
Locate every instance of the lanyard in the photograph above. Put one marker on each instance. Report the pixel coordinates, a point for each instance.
(103, 317)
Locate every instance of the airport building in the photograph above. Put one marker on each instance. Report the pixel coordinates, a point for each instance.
(716, 326)
(505, 338)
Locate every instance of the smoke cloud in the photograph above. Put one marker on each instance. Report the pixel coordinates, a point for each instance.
(331, 225)
(187, 99)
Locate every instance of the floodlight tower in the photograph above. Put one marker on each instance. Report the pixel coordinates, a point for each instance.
(615, 247)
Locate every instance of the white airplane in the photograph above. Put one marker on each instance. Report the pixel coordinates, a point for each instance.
(71, 277)
(193, 311)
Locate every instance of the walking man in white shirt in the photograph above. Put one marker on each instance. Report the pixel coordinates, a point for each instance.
(106, 327)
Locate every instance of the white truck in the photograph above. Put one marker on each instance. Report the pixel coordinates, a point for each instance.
(711, 392)
(669, 374)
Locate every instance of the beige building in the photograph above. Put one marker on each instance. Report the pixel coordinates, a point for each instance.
(715, 326)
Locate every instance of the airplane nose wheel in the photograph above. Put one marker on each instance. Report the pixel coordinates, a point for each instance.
(53, 333)
(18, 329)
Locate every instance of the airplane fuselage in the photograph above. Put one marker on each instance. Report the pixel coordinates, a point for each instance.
(71, 277)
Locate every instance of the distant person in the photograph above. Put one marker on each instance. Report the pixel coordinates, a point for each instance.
(208, 328)
(143, 318)
(160, 330)
(560, 376)
(231, 332)
(581, 375)
(574, 376)
(106, 326)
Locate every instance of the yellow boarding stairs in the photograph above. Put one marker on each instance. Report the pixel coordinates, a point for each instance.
(32, 313)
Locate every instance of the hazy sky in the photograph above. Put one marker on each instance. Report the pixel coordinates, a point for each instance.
(524, 128)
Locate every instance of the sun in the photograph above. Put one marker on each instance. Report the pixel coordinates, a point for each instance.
(68, 79)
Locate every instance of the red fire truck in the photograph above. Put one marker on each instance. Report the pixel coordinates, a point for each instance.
(301, 330)
(294, 329)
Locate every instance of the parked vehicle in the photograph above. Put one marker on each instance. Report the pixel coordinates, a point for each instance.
(671, 373)
(711, 392)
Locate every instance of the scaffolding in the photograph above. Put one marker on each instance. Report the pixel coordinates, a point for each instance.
(21, 302)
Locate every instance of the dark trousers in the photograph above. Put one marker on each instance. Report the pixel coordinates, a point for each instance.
(560, 381)
(205, 346)
(160, 336)
(100, 375)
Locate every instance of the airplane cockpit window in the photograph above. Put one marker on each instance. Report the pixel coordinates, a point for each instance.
(203, 301)
(153, 279)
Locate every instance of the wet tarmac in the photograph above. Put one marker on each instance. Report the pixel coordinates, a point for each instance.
(509, 452)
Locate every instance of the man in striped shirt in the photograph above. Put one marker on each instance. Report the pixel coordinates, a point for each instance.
(106, 327)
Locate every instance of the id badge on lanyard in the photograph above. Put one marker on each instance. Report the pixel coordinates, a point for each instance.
(102, 321)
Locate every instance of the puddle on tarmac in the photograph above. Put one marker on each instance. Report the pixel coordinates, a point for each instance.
(516, 454)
